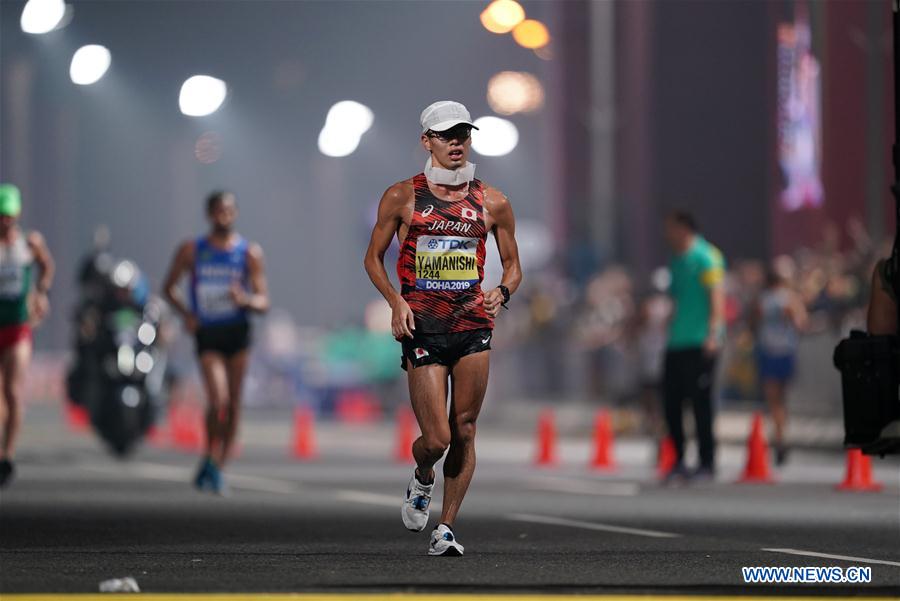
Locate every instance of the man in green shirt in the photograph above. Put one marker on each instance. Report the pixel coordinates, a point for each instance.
(26, 273)
(695, 336)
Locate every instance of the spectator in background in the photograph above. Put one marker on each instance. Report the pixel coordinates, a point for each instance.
(779, 316)
(652, 319)
(696, 334)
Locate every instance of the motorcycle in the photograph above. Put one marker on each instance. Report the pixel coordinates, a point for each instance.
(119, 371)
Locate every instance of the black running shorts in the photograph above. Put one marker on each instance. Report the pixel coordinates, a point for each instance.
(227, 339)
(443, 349)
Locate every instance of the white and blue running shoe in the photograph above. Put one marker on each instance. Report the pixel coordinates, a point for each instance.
(443, 542)
(415, 506)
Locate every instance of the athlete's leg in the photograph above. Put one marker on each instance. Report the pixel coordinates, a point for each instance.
(428, 394)
(773, 390)
(4, 411)
(237, 369)
(13, 366)
(215, 383)
(468, 379)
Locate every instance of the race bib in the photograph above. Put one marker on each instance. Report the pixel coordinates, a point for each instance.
(446, 263)
(214, 300)
(12, 282)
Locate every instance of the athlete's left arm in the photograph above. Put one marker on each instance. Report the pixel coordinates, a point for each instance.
(258, 299)
(44, 260)
(504, 228)
(713, 278)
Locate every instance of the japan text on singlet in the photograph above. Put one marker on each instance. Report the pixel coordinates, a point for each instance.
(215, 272)
(441, 262)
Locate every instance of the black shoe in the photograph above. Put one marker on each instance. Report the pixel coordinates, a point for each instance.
(704, 473)
(7, 469)
(677, 475)
(781, 455)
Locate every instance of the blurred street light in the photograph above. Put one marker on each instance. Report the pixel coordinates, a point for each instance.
(89, 64)
(201, 95)
(208, 148)
(501, 16)
(345, 125)
(531, 34)
(42, 16)
(494, 137)
(511, 92)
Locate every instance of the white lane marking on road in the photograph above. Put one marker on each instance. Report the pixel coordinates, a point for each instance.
(830, 556)
(581, 487)
(371, 498)
(172, 473)
(542, 519)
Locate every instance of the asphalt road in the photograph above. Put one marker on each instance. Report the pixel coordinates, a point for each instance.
(75, 517)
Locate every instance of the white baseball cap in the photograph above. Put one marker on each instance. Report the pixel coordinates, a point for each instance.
(444, 114)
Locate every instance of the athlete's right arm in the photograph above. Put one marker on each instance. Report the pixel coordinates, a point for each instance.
(181, 263)
(394, 205)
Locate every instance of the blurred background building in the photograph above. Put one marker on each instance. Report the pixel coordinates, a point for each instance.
(769, 120)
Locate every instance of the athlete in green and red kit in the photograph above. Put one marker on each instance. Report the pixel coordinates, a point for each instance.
(441, 316)
(22, 306)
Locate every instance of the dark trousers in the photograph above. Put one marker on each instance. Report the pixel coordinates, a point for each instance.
(689, 375)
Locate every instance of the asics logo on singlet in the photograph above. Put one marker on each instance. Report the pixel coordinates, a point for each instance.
(427, 211)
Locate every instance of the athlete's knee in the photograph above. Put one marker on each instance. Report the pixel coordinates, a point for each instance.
(216, 409)
(464, 430)
(436, 444)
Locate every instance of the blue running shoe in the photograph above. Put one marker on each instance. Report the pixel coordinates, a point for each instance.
(217, 481)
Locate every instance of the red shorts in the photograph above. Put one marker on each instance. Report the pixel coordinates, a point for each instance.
(10, 336)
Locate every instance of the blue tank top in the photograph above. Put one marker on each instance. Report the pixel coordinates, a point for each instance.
(215, 271)
(777, 334)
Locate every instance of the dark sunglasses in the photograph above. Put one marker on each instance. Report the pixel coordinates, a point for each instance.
(455, 133)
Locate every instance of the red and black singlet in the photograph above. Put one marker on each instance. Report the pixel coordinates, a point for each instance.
(441, 262)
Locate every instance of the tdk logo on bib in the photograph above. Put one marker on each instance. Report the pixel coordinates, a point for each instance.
(446, 263)
(447, 243)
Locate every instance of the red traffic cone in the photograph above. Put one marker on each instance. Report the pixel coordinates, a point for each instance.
(757, 468)
(546, 440)
(304, 446)
(405, 434)
(665, 456)
(859, 473)
(77, 417)
(603, 442)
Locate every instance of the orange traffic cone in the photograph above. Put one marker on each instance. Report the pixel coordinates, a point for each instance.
(757, 468)
(666, 456)
(304, 434)
(77, 417)
(546, 440)
(157, 435)
(603, 442)
(859, 473)
(405, 434)
(186, 423)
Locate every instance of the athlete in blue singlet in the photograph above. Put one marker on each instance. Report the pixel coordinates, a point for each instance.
(228, 282)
